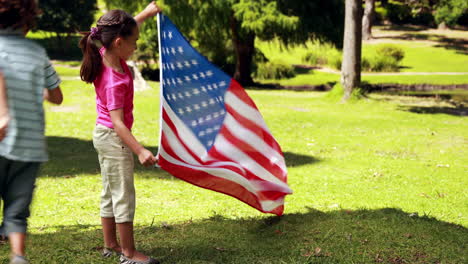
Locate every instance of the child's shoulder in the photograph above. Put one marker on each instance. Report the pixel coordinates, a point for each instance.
(21, 44)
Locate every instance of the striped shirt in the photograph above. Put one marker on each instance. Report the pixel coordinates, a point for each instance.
(27, 71)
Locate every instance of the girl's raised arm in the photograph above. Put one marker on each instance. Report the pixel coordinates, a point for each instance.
(151, 10)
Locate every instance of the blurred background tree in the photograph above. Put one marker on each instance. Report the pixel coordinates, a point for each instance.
(225, 30)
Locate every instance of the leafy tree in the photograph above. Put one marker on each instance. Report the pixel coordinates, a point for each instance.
(219, 28)
(351, 68)
(65, 16)
(448, 11)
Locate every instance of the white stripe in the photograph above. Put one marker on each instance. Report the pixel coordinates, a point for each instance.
(254, 141)
(269, 205)
(186, 135)
(233, 153)
(223, 173)
(245, 110)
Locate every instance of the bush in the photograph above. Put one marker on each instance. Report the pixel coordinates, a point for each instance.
(335, 61)
(388, 50)
(274, 70)
(313, 58)
(381, 63)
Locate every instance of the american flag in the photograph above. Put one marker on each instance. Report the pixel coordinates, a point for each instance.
(212, 134)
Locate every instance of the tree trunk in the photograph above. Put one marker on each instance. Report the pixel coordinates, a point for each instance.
(368, 19)
(244, 46)
(351, 67)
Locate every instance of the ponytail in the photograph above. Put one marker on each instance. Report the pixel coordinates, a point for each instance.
(113, 24)
(92, 62)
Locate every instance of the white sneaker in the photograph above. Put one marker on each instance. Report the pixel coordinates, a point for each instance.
(18, 260)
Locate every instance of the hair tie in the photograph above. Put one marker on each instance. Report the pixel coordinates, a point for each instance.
(95, 34)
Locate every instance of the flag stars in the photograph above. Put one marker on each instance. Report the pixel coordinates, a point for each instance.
(202, 75)
(196, 107)
(180, 111)
(179, 81)
(194, 62)
(187, 78)
(180, 95)
(187, 94)
(188, 109)
(187, 64)
(209, 73)
(196, 91)
(180, 49)
(169, 34)
(204, 104)
(194, 123)
(194, 76)
(173, 51)
(222, 84)
(179, 65)
(210, 143)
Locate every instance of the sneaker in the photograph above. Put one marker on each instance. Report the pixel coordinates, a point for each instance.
(18, 260)
(109, 252)
(126, 260)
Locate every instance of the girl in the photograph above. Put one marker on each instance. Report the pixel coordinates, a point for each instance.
(116, 34)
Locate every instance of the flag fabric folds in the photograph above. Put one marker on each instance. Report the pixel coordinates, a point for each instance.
(212, 134)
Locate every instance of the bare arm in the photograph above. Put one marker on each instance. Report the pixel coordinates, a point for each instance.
(145, 156)
(54, 96)
(151, 10)
(4, 116)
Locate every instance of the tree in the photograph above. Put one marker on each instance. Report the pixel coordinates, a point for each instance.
(226, 30)
(448, 12)
(64, 16)
(351, 67)
(367, 19)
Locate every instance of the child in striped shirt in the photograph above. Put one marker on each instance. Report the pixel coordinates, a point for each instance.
(27, 78)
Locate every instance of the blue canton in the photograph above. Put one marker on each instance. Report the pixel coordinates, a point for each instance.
(192, 86)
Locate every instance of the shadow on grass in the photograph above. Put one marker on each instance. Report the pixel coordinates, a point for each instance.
(456, 111)
(345, 236)
(458, 44)
(73, 156)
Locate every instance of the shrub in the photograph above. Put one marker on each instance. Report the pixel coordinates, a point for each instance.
(388, 50)
(313, 58)
(335, 61)
(381, 63)
(274, 70)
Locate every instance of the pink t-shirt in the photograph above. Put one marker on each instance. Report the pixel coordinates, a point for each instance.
(114, 90)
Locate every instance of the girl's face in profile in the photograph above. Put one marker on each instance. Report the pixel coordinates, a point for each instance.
(127, 46)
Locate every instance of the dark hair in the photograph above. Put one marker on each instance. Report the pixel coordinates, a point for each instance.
(115, 23)
(16, 14)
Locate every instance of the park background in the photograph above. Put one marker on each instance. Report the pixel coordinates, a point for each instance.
(380, 177)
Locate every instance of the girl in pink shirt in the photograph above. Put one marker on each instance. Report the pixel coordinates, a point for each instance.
(105, 50)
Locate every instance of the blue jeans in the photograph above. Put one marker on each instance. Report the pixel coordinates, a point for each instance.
(17, 182)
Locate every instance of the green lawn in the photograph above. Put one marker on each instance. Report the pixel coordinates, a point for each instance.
(373, 180)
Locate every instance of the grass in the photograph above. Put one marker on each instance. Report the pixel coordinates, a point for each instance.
(373, 180)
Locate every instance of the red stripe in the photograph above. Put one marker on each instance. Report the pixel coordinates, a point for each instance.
(247, 149)
(207, 181)
(165, 145)
(262, 195)
(236, 89)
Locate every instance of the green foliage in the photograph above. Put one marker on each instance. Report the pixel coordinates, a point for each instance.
(448, 11)
(398, 13)
(274, 70)
(65, 16)
(391, 50)
(380, 63)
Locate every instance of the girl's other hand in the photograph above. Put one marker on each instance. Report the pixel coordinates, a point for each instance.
(147, 158)
(152, 9)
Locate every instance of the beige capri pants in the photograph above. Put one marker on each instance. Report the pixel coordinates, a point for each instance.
(116, 162)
